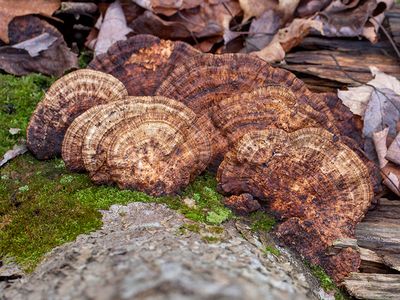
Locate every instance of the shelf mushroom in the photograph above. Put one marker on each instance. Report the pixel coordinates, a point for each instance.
(65, 100)
(274, 106)
(317, 185)
(152, 144)
(142, 62)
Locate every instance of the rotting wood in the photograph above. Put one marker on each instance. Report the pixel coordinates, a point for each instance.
(373, 286)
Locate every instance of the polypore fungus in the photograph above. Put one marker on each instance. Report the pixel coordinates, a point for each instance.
(315, 183)
(152, 144)
(66, 99)
(143, 62)
(200, 82)
(274, 106)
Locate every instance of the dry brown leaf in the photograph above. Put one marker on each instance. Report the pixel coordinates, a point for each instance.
(255, 8)
(207, 20)
(393, 153)
(356, 98)
(391, 177)
(287, 38)
(288, 7)
(262, 30)
(167, 7)
(112, 29)
(371, 28)
(307, 8)
(14, 152)
(39, 48)
(379, 139)
(353, 18)
(10, 9)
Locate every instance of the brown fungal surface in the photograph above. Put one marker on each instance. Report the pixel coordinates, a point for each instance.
(153, 144)
(142, 62)
(200, 82)
(65, 100)
(274, 106)
(317, 185)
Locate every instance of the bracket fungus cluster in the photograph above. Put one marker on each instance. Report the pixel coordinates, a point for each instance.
(297, 151)
(314, 182)
(152, 144)
(66, 99)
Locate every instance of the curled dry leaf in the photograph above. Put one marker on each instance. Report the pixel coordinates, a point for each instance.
(287, 38)
(10, 9)
(143, 62)
(262, 30)
(393, 153)
(357, 98)
(307, 178)
(390, 172)
(255, 8)
(167, 7)
(353, 18)
(66, 99)
(307, 8)
(113, 28)
(207, 20)
(13, 153)
(37, 47)
(153, 144)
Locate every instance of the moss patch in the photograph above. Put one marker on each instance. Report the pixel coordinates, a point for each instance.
(326, 282)
(18, 99)
(42, 205)
(261, 221)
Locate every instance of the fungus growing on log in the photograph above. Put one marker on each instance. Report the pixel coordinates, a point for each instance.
(65, 100)
(200, 82)
(274, 106)
(316, 184)
(143, 62)
(152, 144)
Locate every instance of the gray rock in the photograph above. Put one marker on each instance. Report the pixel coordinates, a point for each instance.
(141, 253)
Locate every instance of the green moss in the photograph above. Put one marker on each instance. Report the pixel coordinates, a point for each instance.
(210, 239)
(42, 205)
(272, 249)
(326, 281)
(261, 222)
(18, 99)
(84, 58)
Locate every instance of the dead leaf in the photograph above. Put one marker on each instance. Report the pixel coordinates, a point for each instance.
(307, 8)
(14, 152)
(371, 28)
(150, 23)
(10, 9)
(356, 98)
(206, 20)
(287, 8)
(383, 111)
(14, 131)
(287, 38)
(379, 139)
(392, 177)
(255, 8)
(112, 29)
(393, 153)
(36, 37)
(37, 44)
(167, 7)
(353, 18)
(262, 30)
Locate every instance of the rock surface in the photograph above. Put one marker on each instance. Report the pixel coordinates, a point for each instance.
(142, 252)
